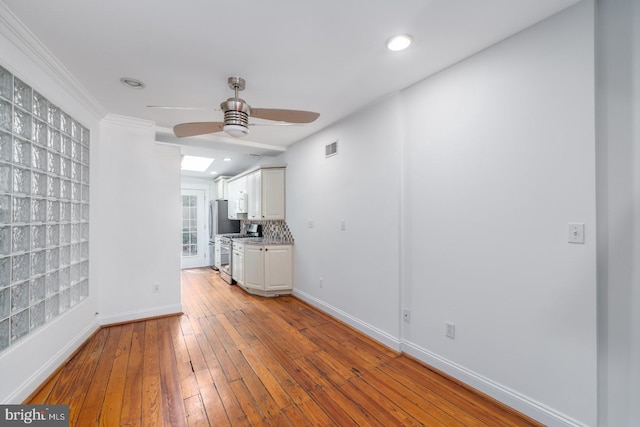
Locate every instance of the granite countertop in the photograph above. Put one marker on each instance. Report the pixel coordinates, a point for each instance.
(262, 241)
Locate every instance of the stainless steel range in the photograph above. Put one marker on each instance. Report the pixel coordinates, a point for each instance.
(223, 255)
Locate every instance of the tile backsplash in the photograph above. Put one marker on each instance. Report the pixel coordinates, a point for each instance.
(274, 230)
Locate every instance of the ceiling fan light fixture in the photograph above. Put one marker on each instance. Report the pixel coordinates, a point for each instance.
(399, 42)
(236, 131)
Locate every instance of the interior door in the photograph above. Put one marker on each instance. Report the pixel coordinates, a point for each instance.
(194, 229)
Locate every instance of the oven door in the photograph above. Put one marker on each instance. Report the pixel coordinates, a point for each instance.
(225, 260)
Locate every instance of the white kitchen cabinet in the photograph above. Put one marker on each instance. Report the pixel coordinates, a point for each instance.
(268, 269)
(237, 189)
(237, 263)
(222, 187)
(266, 191)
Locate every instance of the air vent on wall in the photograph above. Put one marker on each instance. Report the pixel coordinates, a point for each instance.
(331, 149)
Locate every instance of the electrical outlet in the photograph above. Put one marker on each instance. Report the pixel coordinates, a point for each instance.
(406, 315)
(321, 282)
(156, 288)
(450, 330)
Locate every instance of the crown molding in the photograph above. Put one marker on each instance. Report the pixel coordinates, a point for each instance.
(17, 33)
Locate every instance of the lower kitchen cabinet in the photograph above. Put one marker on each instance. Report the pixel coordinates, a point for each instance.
(268, 269)
(237, 264)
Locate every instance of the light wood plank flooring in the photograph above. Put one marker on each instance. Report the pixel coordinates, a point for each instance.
(235, 359)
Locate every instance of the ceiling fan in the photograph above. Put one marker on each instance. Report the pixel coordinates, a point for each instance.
(237, 113)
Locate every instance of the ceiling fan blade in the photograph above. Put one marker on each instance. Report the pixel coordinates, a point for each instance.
(197, 128)
(170, 107)
(291, 116)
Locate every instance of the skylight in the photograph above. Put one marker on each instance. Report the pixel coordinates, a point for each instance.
(196, 164)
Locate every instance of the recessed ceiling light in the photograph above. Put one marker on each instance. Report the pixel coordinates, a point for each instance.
(132, 83)
(227, 159)
(399, 42)
(196, 164)
(213, 173)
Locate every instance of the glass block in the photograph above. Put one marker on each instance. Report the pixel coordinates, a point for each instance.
(75, 252)
(76, 192)
(85, 213)
(38, 237)
(6, 146)
(21, 209)
(65, 167)
(65, 234)
(39, 106)
(85, 193)
(21, 123)
(53, 187)
(65, 300)
(53, 210)
(5, 303)
(38, 263)
(5, 241)
(76, 151)
(38, 184)
(5, 271)
(20, 267)
(19, 325)
(75, 293)
(51, 307)
(76, 132)
(53, 163)
(84, 230)
(52, 283)
(75, 273)
(5, 209)
(6, 115)
(85, 136)
(84, 250)
(84, 156)
(84, 269)
(38, 158)
(21, 180)
(40, 133)
(4, 334)
(76, 212)
(20, 239)
(53, 140)
(37, 315)
(19, 297)
(75, 171)
(65, 211)
(6, 84)
(65, 278)
(65, 123)
(22, 95)
(5, 178)
(76, 232)
(85, 175)
(21, 152)
(53, 259)
(38, 210)
(37, 291)
(53, 235)
(65, 146)
(65, 189)
(53, 116)
(84, 289)
(65, 255)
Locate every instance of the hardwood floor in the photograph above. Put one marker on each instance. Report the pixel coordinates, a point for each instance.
(235, 359)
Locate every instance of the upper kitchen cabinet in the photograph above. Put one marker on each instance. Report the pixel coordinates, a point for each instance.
(266, 189)
(222, 187)
(237, 196)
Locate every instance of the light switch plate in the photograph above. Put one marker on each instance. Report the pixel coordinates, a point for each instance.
(576, 233)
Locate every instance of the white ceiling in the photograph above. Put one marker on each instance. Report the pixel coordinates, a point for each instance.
(327, 56)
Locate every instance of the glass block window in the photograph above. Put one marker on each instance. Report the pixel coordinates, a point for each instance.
(44, 210)
(189, 226)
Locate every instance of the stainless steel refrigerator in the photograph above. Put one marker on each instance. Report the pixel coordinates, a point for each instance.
(219, 222)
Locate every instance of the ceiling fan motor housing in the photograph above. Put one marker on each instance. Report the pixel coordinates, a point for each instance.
(236, 112)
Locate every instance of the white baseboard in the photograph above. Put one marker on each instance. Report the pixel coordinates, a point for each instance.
(511, 398)
(43, 373)
(367, 329)
(129, 316)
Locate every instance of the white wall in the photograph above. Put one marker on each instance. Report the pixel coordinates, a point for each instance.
(26, 364)
(497, 156)
(140, 224)
(618, 70)
(359, 266)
